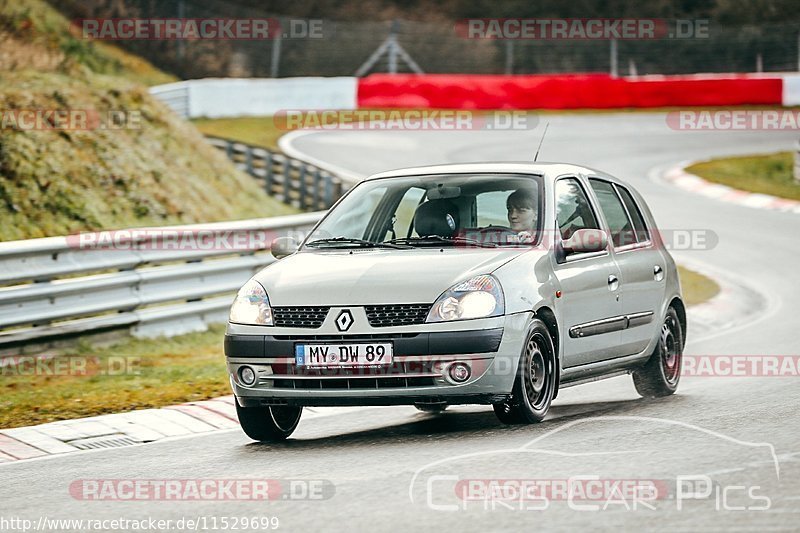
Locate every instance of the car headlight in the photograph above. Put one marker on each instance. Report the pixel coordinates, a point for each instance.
(251, 306)
(477, 297)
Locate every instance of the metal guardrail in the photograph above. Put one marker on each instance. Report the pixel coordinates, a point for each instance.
(289, 180)
(153, 281)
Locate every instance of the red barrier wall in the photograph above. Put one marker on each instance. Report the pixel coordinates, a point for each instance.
(573, 91)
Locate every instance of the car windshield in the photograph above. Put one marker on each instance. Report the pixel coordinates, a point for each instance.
(485, 210)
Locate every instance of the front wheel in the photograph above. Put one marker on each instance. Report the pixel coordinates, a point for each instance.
(662, 372)
(535, 385)
(272, 423)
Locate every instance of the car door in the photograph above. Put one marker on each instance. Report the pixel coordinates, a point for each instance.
(641, 264)
(589, 306)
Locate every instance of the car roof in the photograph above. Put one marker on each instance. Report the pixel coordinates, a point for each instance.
(548, 171)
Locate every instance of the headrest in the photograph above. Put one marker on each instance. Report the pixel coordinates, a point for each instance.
(436, 217)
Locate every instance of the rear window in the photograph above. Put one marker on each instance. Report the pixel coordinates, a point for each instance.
(617, 217)
(642, 233)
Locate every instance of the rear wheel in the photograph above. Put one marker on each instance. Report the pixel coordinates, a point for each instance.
(662, 372)
(272, 423)
(535, 384)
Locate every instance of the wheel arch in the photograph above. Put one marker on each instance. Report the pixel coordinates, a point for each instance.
(677, 304)
(546, 315)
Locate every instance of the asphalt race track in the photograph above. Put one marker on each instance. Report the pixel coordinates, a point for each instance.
(395, 469)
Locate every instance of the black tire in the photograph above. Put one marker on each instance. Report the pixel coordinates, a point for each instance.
(661, 374)
(536, 381)
(431, 407)
(270, 423)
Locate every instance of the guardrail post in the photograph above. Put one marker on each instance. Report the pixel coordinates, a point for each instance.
(287, 181)
(328, 191)
(229, 149)
(270, 178)
(248, 159)
(317, 182)
(303, 171)
(797, 162)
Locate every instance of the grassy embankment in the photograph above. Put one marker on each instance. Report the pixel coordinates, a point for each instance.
(766, 174)
(155, 170)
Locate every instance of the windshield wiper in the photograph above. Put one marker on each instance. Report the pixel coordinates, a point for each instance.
(360, 242)
(440, 239)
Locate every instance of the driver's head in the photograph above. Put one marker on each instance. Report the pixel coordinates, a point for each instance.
(521, 207)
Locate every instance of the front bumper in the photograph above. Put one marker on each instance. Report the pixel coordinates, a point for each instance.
(419, 374)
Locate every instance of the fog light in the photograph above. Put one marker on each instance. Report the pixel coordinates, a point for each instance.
(247, 376)
(459, 372)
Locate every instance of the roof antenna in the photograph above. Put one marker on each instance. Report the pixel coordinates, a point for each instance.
(541, 141)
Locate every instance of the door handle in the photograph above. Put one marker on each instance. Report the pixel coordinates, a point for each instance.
(613, 282)
(658, 273)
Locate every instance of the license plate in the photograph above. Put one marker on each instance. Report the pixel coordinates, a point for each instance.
(335, 355)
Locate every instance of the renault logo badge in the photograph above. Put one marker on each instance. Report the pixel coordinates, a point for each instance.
(344, 320)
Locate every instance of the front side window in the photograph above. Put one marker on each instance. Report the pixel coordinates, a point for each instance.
(414, 211)
(573, 211)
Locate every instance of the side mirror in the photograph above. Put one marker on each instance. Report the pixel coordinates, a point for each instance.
(585, 240)
(283, 246)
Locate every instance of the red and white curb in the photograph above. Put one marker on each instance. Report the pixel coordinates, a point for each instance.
(679, 177)
(125, 429)
(119, 429)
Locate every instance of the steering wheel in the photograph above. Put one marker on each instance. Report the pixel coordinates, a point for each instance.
(500, 230)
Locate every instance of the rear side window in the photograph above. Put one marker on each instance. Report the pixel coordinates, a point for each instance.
(617, 217)
(642, 233)
(573, 211)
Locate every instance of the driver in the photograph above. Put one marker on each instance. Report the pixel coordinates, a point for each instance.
(522, 211)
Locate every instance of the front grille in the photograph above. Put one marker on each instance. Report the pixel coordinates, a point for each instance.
(398, 375)
(383, 316)
(299, 317)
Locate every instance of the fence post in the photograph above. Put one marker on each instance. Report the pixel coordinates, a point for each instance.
(509, 57)
(614, 59)
(229, 149)
(274, 64)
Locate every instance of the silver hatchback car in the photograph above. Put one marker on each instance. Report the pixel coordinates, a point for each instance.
(489, 283)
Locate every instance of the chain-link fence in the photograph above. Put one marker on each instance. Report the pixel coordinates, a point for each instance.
(340, 48)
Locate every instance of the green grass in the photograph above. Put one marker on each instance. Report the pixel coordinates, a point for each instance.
(159, 372)
(258, 131)
(170, 370)
(696, 287)
(767, 174)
